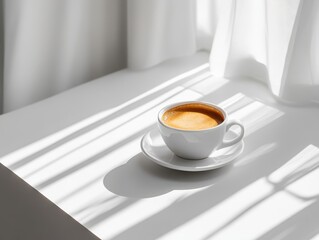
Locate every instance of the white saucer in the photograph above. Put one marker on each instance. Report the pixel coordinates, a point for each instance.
(154, 147)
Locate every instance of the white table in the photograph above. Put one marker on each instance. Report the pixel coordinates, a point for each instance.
(80, 149)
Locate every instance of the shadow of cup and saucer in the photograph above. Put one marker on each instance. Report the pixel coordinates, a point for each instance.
(140, 177)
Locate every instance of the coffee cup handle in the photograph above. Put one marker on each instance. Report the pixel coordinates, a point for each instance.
(227, 143)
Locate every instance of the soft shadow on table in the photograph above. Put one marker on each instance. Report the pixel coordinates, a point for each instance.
(303, 225)
(261, 158)
(141, 178)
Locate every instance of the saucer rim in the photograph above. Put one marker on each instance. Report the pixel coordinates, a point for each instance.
(189, 169)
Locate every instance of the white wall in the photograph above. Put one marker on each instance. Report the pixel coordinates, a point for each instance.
(51, 46)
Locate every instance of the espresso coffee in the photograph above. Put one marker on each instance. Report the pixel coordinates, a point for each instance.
(192, 116)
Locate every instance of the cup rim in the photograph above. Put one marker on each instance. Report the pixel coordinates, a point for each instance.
(167, 107)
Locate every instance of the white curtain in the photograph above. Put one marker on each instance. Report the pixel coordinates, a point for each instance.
(52, 45)
(162, 29)
(273, 41)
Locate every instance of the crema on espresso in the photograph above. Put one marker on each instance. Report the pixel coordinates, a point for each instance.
(192, 116)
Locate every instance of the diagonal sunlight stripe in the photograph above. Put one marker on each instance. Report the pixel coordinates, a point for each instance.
(271, 212)
(99, 204)
(280, 205)
(209, 86)
(124, 132)
(24, 152)
(268, 202)
(253, 114)
(234, 103)
(133, 214)
(255, 155)
(298, 175)
(108, 127)
(59, 188)
(48, 158)
(236, 216)
(307, 159)
(315, 237)
(110, 208)
(217, 216)
(79, 188)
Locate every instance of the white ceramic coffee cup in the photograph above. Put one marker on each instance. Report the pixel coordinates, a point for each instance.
(198, 144)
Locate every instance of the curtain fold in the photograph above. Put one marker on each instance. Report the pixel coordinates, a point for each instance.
(159, 30)
(50, 46)
(275, 42)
